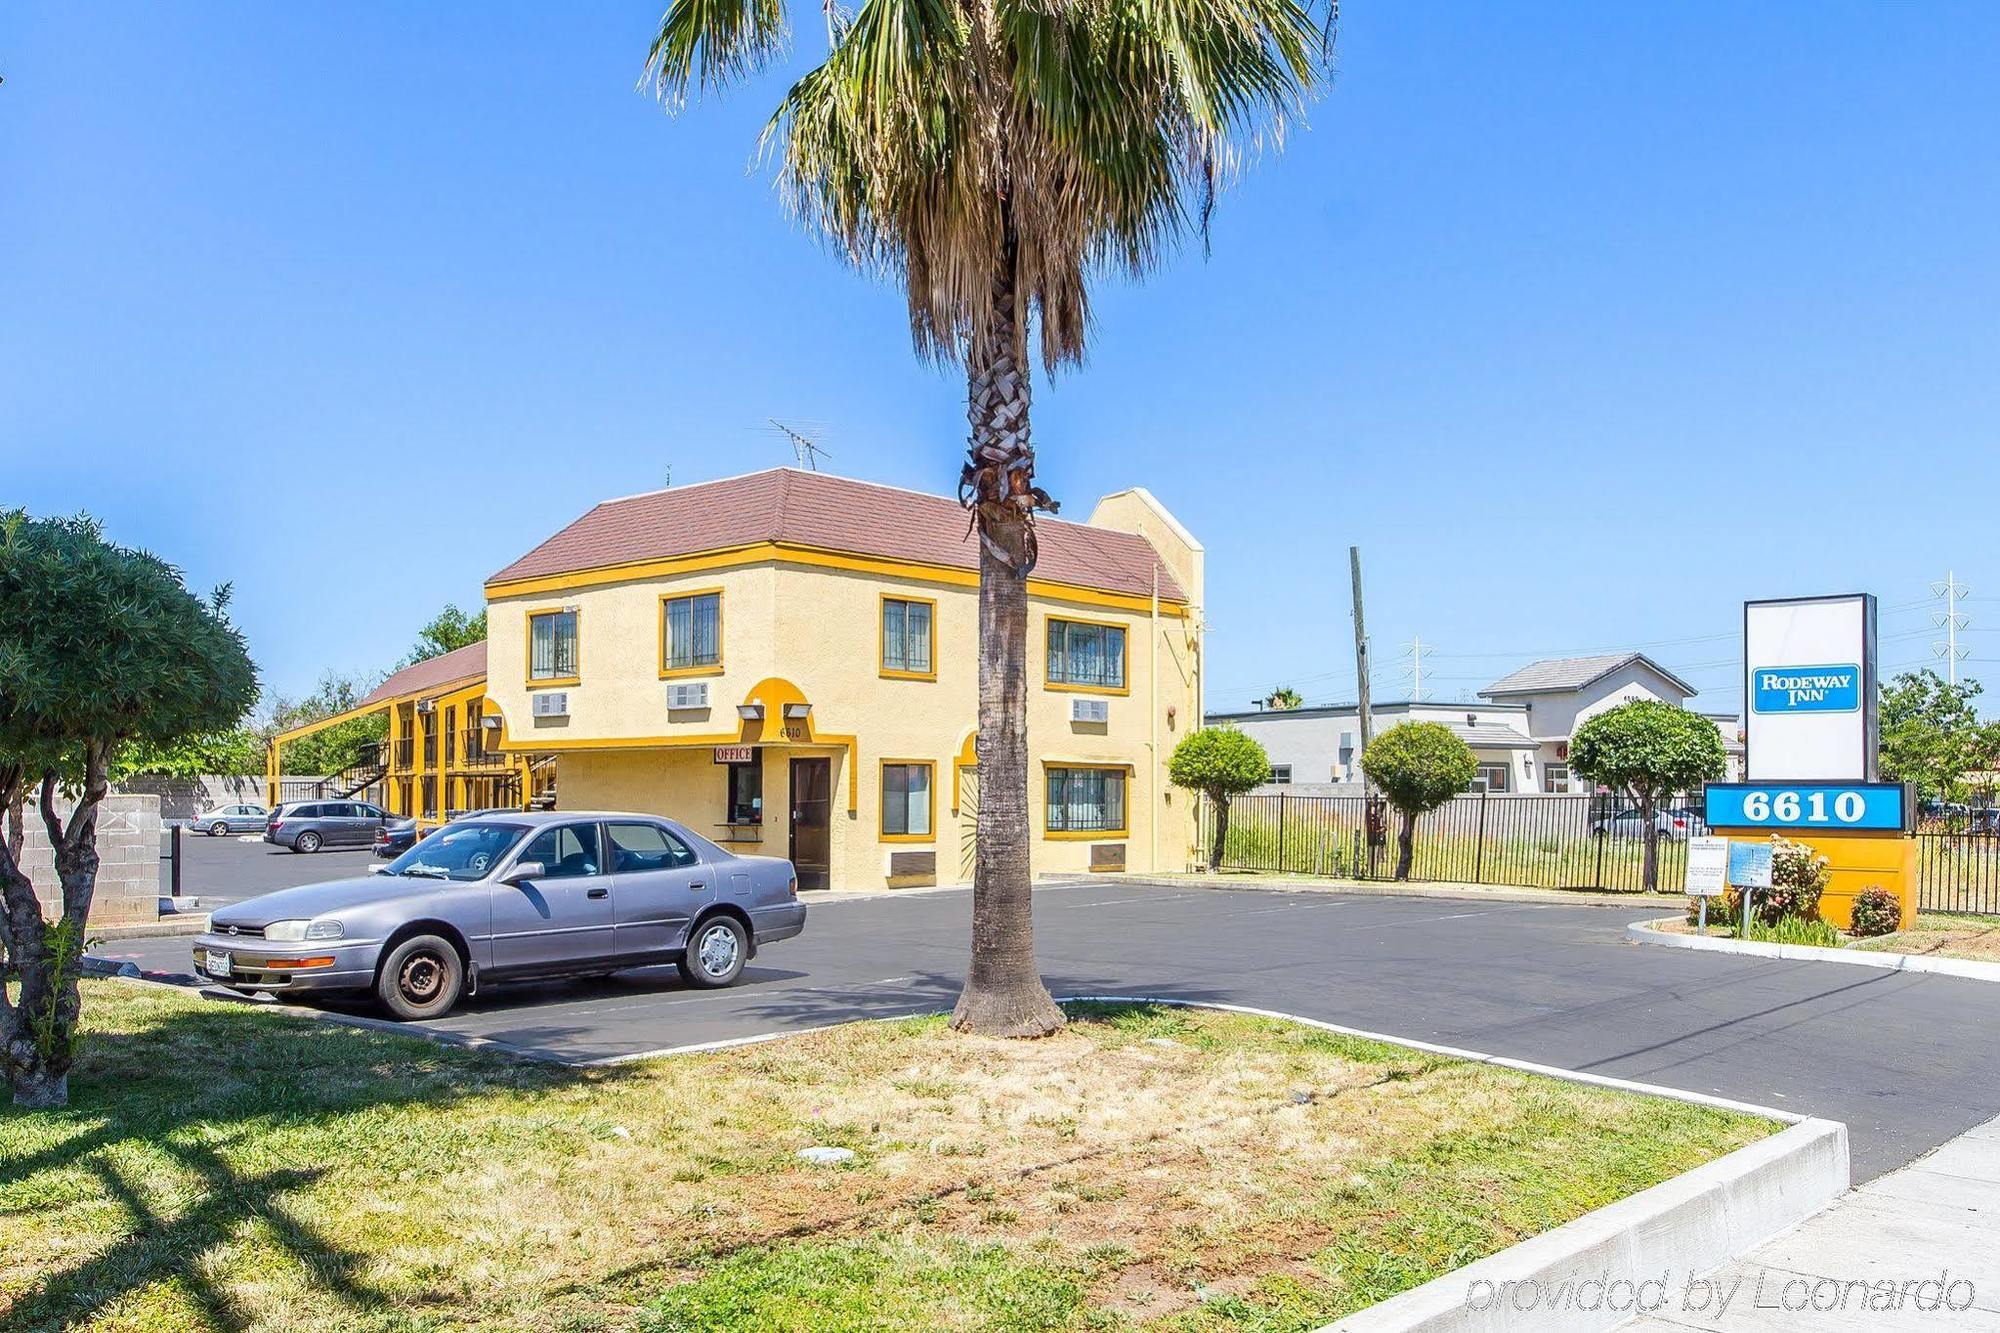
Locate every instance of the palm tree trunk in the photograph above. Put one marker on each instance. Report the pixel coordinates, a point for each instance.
(1004, 995)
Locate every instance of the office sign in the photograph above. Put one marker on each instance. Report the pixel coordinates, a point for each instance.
(1750, 865)
(1809, 689)
(735, 754)
(1805, 807)
(1707, 867)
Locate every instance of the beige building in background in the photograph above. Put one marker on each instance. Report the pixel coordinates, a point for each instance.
(787, 662)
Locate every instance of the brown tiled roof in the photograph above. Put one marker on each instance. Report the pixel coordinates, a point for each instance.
(433, 674)
(832, 513)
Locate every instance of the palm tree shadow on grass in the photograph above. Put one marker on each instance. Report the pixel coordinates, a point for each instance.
(173, 1089)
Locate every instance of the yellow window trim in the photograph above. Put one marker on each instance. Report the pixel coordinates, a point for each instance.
(1125, 657)
(882, 804)
(528, 642)
(708, 668)
(882, 637)
(1086, 835)
(752, 553)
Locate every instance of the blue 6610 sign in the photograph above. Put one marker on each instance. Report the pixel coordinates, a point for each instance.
(1885, 807)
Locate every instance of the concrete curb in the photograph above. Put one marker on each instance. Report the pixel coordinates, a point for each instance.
(1588, 1274)
(172, 924)
(1389, 889)
(1643, 933)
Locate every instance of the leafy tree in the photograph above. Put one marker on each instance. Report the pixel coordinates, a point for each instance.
(339, 746)
(1418, 766)
(101, 647)
(1218, 762)
(237, 752)
(1930, 734)
(449, 630)
(1283, 698)
(1649, 750)
(996, 157)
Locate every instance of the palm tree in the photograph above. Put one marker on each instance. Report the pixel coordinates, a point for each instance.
(996, 156)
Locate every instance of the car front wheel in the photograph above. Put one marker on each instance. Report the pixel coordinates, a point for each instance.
(421, 978)
(715, 954)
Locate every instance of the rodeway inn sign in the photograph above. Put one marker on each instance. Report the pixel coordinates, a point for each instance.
(1806, 689)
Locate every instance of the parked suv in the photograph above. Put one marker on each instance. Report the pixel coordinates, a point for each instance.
(310, 825)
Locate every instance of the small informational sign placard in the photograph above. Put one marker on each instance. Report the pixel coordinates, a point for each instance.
(1881, 807)
(1750, 865)
(1707, 867)
(1809, 688)
(735, 754)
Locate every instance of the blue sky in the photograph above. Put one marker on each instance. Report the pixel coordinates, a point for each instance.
(1584, 321)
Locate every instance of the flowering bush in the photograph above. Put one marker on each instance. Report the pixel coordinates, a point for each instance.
(1876, 911)
(1798, 877)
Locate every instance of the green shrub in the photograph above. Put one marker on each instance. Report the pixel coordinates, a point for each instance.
(1796, 930)
(1876, 912)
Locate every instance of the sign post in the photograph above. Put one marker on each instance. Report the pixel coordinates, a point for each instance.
(1749, 869)
(1810, 741)
(1707, 873)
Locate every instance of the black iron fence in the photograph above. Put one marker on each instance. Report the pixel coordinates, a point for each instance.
(1556, 842)
(1958, 870)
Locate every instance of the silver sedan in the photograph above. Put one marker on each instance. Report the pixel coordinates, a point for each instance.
(510, 897)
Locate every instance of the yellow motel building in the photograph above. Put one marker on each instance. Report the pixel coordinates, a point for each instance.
(787, 661)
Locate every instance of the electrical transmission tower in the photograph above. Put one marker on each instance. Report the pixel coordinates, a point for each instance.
(1951, 620)
(1415, 650)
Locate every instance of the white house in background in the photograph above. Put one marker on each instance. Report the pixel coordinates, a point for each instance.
(1519, 728)
(1559, 694)
(1320, 746)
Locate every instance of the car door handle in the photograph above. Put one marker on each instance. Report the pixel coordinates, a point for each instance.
(697, 885)
(597, 893)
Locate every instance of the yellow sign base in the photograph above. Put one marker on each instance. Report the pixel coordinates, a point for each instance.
(1856, 860)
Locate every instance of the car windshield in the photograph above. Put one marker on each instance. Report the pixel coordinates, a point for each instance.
(458, 851)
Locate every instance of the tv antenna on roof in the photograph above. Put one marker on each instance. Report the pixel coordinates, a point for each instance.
(804, 448)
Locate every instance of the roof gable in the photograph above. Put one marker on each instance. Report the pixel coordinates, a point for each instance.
(817, 509)
(1558, 675)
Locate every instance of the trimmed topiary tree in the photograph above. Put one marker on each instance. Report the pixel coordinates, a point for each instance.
(1218, 762)
(101, 647)
(1418, 766)
(1650, 750)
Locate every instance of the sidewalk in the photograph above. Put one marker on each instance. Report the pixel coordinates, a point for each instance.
(1936, 1222)
(1388, 888)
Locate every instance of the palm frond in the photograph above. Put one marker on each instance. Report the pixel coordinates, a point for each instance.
(714, 42)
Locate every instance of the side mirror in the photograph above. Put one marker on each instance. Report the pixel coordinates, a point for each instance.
(524, 871)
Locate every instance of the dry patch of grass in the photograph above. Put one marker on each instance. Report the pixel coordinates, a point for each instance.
(222, 1167)
(1946, 935)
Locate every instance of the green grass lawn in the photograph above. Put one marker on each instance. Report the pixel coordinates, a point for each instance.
(227, 1168)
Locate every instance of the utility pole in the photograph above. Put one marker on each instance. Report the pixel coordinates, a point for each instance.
(1951, 622)
(1360, 651)
(1415, 652)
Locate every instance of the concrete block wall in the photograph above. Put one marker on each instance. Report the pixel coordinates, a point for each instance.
(128, 851)
(184, 798)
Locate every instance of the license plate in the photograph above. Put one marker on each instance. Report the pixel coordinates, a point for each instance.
(217, 964)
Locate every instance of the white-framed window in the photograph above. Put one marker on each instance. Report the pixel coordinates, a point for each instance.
(1086, 800)
(1491, 777)
(1281, 774)
(1555, 779)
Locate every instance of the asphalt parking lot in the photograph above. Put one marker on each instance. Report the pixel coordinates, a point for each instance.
(227, 869)
(1905, 1060)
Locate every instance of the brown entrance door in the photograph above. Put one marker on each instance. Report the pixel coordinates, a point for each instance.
(812, 804)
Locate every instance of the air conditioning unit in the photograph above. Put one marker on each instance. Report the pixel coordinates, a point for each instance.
(688, 694)
(1089, 710)
(551, 703)
(427, 705)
